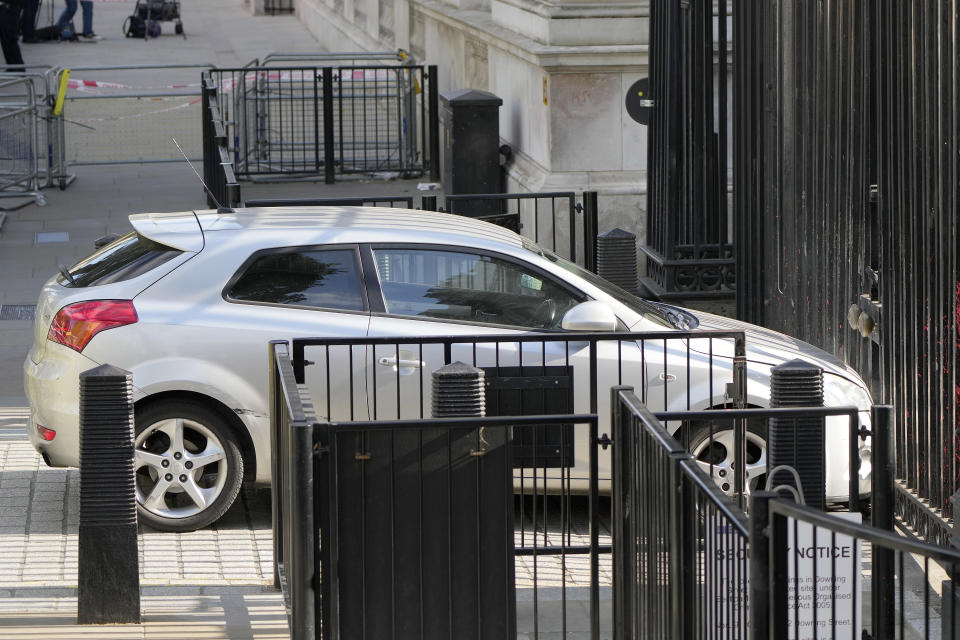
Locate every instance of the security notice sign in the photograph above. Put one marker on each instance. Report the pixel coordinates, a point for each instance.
(827, 591)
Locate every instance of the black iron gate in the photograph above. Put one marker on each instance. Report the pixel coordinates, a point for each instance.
(846, 164)
(689, 248)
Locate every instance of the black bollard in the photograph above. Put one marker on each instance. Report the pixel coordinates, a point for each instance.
(617, 258)
(798, 442)
(108, 580)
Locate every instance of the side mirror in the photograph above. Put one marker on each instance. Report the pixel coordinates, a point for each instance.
(590, 316)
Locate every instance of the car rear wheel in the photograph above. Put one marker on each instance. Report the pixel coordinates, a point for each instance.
(188, 466)
(716, 455)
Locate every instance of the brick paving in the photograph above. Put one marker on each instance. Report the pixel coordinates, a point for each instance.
(214, 583)
(39, 509)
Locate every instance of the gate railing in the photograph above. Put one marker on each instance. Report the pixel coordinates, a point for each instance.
(675, 521)
(557, 221)
(679, 541)
(371, 514)
(913, 584)
(218, 173)
(688, 563)
(293, 508)
(290, 120)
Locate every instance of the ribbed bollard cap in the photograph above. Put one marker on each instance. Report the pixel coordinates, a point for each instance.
(617, 258)
(796, 383)
(458, 391)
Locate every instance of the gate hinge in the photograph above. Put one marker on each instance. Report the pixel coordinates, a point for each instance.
(604, 441)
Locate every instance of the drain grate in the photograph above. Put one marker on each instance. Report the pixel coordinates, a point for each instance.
(17, 311)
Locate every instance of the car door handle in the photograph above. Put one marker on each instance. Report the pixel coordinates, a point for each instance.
(393, 361)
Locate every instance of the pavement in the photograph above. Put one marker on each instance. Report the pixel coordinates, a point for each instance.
(214, 583)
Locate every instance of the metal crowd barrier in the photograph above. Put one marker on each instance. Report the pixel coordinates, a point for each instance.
(19, 143)
(324, 58)
(299, 120)
(127, 114)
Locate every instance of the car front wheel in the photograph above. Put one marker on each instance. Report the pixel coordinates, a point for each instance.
(188, 466)
(716, 455)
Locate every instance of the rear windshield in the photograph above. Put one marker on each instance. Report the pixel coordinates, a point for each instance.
(122, 259)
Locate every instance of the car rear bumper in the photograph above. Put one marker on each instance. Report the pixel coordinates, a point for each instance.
(52, 386)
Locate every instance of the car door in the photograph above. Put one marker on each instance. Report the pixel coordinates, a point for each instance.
(452, 291)
(311, 291)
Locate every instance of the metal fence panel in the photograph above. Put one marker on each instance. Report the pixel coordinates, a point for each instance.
(219, 179)
(813, 554)
(19, 144)
(277, 7)
(128, 114)
(290, 120)
(846, 190)
(46, 141)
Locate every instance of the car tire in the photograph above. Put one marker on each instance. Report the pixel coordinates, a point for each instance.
(716, 456)
(188, 467)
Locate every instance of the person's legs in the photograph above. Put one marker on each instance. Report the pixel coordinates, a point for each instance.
(87, 7)
(28, 20)
(67, 14)
(9, 23)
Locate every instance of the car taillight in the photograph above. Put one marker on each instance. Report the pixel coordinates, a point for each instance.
(77, 323)
(46, 434)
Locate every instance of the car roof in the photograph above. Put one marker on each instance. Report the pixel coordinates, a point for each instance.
(360, 224)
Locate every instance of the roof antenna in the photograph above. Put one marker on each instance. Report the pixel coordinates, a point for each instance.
(220, 207)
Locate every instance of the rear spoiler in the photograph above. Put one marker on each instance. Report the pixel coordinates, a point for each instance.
(179, 230)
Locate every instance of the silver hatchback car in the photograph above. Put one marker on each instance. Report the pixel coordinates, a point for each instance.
(188, 301)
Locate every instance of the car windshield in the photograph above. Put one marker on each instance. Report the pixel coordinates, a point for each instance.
(660, 313)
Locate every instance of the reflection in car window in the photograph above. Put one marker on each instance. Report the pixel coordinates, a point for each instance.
(328, 278)
(451, 285)
(122, 259)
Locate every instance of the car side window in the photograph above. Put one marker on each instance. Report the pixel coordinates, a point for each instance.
(328, 278)
(451, 285)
